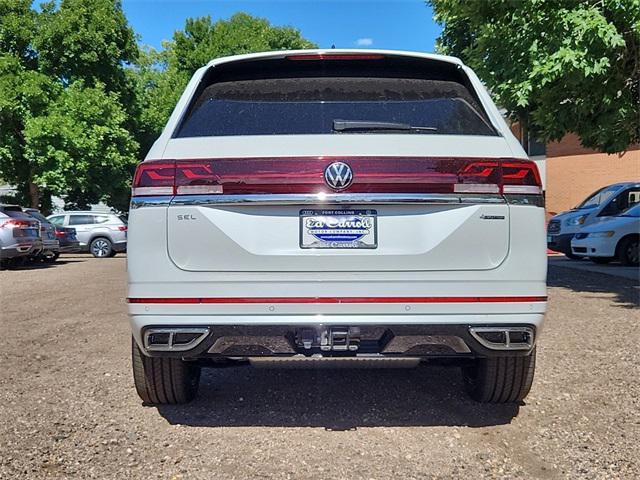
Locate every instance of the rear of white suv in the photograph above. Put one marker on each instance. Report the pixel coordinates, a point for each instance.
(336, 208)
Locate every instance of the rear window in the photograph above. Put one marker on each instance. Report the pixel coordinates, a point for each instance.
(13, 213)
(309, 99)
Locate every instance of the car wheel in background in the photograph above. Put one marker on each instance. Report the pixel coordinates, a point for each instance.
(602, 260)
(629, 250)
(500, 379)
(101, 247)
(161, 381)
(573, 257)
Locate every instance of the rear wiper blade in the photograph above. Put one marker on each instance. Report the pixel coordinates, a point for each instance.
(364, 125)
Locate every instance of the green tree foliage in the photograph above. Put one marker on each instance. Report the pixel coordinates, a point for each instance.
(564, 65)
(63, 82)
(80, 146)
(163, 75)
(85, 40)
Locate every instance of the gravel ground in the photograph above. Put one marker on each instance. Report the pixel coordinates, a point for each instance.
(68, 408)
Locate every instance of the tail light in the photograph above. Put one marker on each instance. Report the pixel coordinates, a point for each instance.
(521, 177)
(60, 233)
(154, 178)
(122, 228)
(290, 175)
(14, 223)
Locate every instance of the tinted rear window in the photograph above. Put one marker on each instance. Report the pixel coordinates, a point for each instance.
(308, 100)
(18, 214)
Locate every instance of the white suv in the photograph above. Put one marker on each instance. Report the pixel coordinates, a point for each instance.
(336, 208)
(101, 234)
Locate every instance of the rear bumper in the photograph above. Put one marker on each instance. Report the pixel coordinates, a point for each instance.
(70, 247)
(51, 246)
(120, 246)
(414, 336)
(21, 249)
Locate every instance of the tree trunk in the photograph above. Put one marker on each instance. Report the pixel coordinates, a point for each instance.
(34, 195)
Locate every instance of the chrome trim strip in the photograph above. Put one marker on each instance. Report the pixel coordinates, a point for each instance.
(336, 198)
(154, 201)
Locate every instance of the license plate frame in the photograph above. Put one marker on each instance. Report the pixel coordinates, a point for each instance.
(337, 229)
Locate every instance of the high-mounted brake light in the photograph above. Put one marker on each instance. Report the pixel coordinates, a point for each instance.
(336, 56)
(305, 175)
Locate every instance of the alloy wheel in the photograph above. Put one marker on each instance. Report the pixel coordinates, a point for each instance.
(100, 248)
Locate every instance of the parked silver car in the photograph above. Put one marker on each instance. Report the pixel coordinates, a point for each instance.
(50, 243)
(19, 234)
(102, 234)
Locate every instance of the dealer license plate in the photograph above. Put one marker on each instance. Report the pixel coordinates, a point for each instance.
(338, 229)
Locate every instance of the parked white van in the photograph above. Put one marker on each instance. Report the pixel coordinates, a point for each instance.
(606, 202)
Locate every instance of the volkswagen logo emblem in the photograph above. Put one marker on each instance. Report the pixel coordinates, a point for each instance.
(338, 175)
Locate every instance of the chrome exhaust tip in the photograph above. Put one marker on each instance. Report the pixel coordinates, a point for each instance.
(173, 339)
(504, 338)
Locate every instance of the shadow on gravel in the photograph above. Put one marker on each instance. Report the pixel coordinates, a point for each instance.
(335, 399)
(28, 265)
(626, 293)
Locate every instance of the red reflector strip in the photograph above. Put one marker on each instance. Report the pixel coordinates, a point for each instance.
(243, 300)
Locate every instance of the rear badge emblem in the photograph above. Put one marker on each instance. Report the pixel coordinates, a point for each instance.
(338, 175)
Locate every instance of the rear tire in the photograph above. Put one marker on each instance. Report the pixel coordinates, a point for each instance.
(101, 247)
(500, 379)
(628, 251)
(163, 381)
(571, 256)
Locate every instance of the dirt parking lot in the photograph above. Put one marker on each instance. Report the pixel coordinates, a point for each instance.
(68, 408)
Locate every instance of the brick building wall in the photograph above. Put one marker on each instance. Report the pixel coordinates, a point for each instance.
(573, 172)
